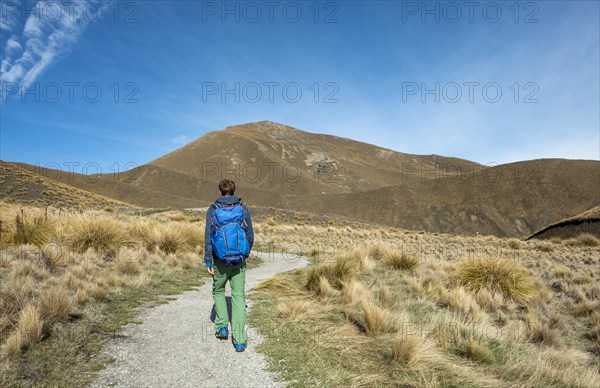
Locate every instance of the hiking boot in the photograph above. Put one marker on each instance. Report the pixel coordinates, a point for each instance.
(240, 347)
(222, 334)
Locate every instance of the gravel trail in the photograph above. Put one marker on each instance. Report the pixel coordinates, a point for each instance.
(175, 346)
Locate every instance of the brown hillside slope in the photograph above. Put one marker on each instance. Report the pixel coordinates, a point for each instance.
(330, 175)
(22, 186)
(586, 222)
(508, 200)
(108, 186)
(275, 157)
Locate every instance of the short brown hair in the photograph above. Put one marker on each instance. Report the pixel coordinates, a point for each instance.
(227, 187)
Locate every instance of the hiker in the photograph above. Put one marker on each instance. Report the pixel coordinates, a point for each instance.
(227, 244)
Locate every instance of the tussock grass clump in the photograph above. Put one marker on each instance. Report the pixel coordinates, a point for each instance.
(542, 333)
(488, 301)
(477, 351)
(325, 288)
(53, 257)
(168, 238)
(30, 325)
(377, 251)
(55, 305)
(407, 349)
(543, 246)
(336, 273)
(353, 292)
(514, 243)
(128, 262)
(391, 257)
(385, 296)
(294, 310)
(35, 231)
(376, 319)
(583, 240)
(400, 260)
(13, 346)
(11, 304)
(98, 291)
(280, 284)
(496, 275)
(98, 232)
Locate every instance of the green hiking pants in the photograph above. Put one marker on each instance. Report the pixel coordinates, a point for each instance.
(237, 281)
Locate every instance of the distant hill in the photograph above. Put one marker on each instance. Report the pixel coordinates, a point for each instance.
(584, 223)
(22, 186)
(107, 185)
(282, 167)
(275, 157)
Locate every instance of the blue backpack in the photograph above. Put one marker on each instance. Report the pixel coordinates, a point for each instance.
(228, 236)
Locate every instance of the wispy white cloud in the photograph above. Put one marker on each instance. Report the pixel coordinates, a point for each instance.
(43, 39)
(180, 140)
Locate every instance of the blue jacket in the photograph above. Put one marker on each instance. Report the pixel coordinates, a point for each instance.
(224, 201)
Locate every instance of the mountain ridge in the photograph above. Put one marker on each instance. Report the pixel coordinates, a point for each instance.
(279, 166)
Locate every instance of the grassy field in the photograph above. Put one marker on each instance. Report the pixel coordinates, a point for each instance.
(70, 280)
(380, 306)
(376, 305)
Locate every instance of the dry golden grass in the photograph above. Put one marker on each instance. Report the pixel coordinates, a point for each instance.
(335, 273)
(385, 296)
(400, 260)
(56, 267)
(30, 325)
(496, 275)
(376, 319)
(475, 301)
(407, 349)
(353, 292)
(55, 305)
(325, 288)
(294, 310)
(81, 232)
(583, 240)
(34, 231)
(13, 346)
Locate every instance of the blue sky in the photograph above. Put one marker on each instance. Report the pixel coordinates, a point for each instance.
(161, 68)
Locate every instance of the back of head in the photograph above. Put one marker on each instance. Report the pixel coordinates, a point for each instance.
(227, 187)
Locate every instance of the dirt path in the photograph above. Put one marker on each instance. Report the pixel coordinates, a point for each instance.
(175, 345)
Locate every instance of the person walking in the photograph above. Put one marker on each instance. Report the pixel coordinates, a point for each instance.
(228, 240)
